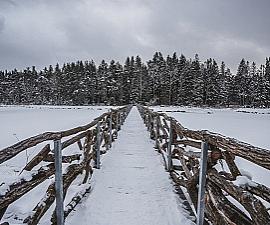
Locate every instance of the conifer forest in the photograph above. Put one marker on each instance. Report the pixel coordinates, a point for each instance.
(171, 80)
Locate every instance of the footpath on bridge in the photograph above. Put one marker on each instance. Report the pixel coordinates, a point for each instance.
(132, 186)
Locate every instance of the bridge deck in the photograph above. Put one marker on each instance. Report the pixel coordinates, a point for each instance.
(132, 186)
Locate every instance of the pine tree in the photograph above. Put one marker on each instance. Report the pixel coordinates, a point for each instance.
(242, 82)
(197, 82)
(101, 92)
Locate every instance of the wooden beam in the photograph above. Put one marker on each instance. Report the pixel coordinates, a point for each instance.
(19, 188)
(256, 209)
(38, 158)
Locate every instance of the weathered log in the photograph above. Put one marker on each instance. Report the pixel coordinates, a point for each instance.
(80, 144)
(41, 208)
(38, 158)
(184, 166)
(87, 148)
(65, 159)
(191, 154)
(19, 188)
(194, 163)
(256, 209)
(256, 155)
(176, 167)
(165, 133)
(10, 152)
(158, 126)
(88, 168)
(192, 188)
(227, 176)
(74, 139)
(231, 164)
(225, 208)
(194, 144)
(178, 179)
(213, 214)
(75, 201)
(2, 212)
(259, 190)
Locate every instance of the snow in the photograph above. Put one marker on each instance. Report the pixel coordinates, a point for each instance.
(132, 186)
(245, 124)
(21, 122)
(24, 121)
(252, 128)
(243, 181)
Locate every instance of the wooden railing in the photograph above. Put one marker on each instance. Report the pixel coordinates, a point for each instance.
(101, 131)
(181, 151)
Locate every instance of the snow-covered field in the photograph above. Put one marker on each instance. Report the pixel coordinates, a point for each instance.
(132, 186)
(248, 125)
(20, 122)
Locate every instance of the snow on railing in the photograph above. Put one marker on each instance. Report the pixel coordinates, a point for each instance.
(93, 140)
(181, 151)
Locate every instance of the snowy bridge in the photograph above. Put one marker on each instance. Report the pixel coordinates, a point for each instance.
(128, 184)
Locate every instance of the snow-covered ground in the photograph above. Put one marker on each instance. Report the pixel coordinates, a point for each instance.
(20, 122)
(132, 186)
(248, 125)
(132, 182)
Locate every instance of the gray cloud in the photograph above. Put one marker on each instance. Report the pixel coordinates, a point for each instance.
(40, 32)
(2, 23)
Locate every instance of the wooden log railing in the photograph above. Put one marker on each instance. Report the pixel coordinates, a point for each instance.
(85, 137)
(220, 187)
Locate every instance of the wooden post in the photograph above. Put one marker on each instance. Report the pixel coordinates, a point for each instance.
(149, 122)
(118, 120)
(202, 181)
(59, 183)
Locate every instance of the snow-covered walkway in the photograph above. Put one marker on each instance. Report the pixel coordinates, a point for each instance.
(132, 186)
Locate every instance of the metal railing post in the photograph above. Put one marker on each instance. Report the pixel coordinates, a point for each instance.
(169, 156)
(202, 181)
(118, 121)
(97, 162)
(110, 128)
(59, 183)
(156, 131)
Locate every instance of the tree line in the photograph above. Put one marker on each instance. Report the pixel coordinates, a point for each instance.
(171, 80)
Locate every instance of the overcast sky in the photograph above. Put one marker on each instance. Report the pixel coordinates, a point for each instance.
(43, 32)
